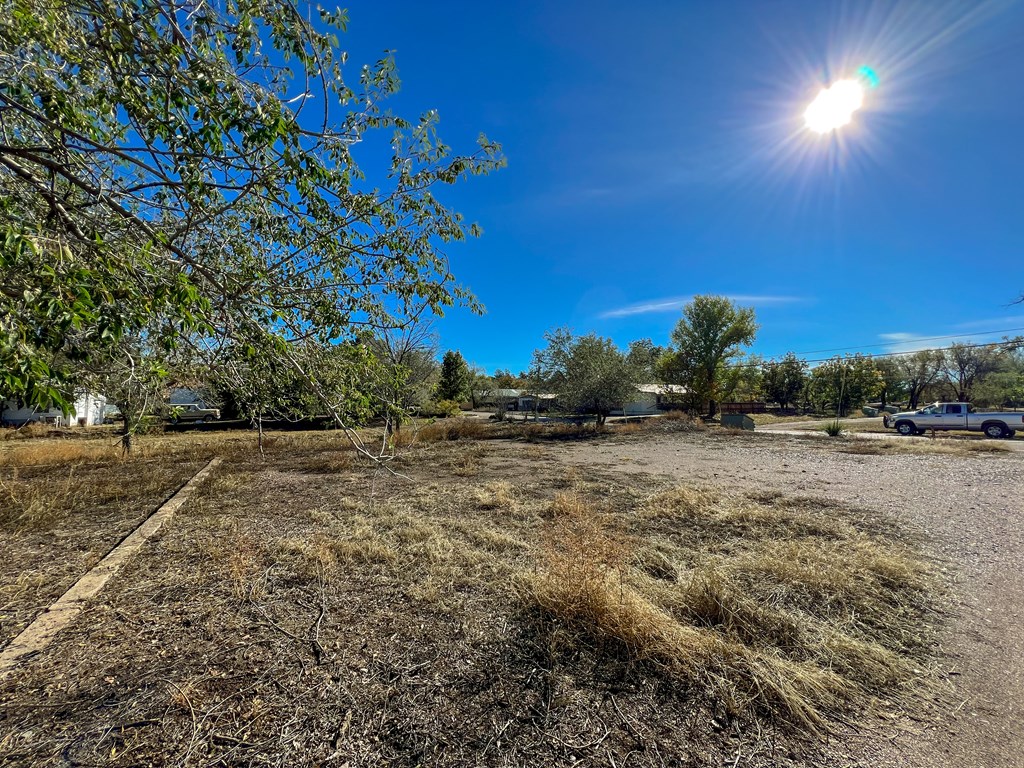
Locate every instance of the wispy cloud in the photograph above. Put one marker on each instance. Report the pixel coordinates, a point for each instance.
(676, 303)
(906, 342)
(912, 342)
(996, 323)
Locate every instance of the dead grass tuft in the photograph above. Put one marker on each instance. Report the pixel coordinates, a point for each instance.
(451, 429)
(53, 452)
(765, 607)
(37, 505)
(497, 494)
(559, 431)
(919, 447)
(684, 500)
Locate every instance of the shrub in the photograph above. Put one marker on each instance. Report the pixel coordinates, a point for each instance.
(441, 409)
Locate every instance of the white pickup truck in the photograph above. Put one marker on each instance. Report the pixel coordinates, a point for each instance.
(946, 416)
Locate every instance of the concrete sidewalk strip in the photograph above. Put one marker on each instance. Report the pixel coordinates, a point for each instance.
(40, 632)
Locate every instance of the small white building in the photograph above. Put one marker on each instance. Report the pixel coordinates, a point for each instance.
(89, 410)
(651, 399)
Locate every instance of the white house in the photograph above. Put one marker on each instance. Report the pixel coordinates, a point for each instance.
(89, 410)
(651, 399)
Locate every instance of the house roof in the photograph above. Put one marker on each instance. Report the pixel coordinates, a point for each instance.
(498, 392)
(661, 389)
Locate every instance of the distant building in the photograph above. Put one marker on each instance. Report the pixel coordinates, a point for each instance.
(491, 398)
(651, 399)
(538, 401)
(89, 410)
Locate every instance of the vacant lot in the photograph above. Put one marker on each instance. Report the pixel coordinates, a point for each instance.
(647, 598)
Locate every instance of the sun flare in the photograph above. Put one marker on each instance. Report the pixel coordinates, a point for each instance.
(834, 106)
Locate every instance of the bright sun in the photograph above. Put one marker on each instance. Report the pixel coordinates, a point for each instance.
(834, 106)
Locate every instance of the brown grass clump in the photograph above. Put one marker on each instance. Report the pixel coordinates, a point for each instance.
(451, 429)
(497, 494)
(684, 500)
(35, 504)
(559, 431)
(53, 452)
(242, 559)
(585, 583)
(919, 447)
(765, 607)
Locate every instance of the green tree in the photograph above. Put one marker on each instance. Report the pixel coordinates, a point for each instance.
(197, 167)
(919, 371)
(408, 372)
(894, 380)
(741, 379)
(588, 372)
(133, 376)
(782, 381)
(261, 387)
(844, 382)
(644, 355)
(455, 379)
(965, 366)
(710, 335)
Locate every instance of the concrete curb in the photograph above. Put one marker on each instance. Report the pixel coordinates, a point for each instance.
(34, 638)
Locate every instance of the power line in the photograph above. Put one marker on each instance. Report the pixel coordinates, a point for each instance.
(1008, 344)
(920, 338)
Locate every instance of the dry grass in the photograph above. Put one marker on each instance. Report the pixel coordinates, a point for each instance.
(497, 494)
(34, 504)
(541, 597)
(559, 430)
(451, 429)
(47, 452)
(766, 607)
(939, 446)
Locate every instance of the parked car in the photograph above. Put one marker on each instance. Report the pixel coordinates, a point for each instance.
(192, 412)
(960, 416)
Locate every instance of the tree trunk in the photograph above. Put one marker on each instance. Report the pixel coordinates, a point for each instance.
(259, 427)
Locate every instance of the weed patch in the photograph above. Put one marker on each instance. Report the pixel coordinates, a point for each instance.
(770, 609)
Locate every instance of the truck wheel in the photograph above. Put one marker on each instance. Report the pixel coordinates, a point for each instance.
(995, 430)
(906, 428)
(208, 419)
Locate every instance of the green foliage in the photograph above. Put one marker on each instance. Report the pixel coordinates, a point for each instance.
(783, 381)
(965, 366)
(706, 340)
(844, 382)
(298, 381)
(834, 428)
(741, 379)
(408, 369)
(196, 169)
(918, 371)
(441, 408)
(644, 356)
(455, 379)
(894, 384)
(588, 372)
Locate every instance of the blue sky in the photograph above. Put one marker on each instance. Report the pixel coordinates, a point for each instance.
(656, 150)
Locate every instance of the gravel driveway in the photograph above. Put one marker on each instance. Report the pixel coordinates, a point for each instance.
(969, 509)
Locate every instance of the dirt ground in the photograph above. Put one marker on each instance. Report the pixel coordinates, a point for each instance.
(970, 509)
(303, 611)
(41, 561)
